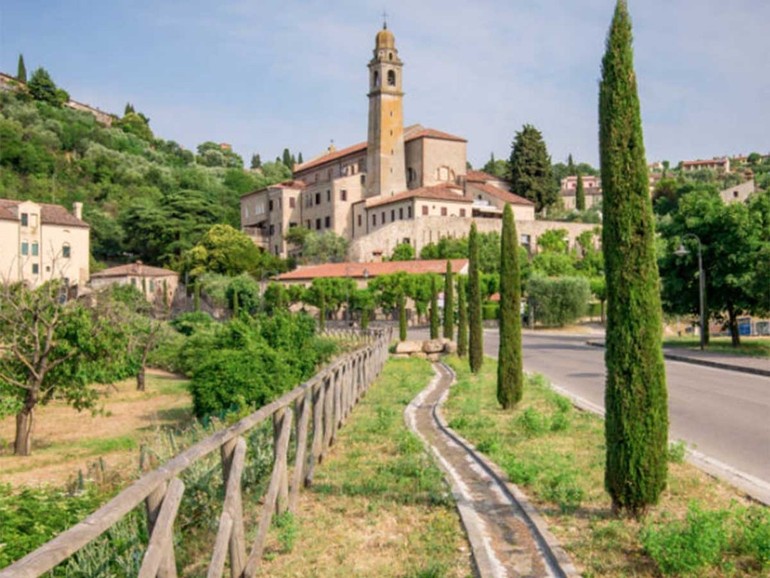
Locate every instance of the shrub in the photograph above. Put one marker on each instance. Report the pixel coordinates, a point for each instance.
(532, 422)
(563, 489)
(490, 311)
(558, 300)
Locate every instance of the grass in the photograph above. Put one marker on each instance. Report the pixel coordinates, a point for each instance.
(378, 505)
(556, 454)
(750, 346)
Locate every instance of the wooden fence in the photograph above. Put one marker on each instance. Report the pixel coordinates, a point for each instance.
(320, 406)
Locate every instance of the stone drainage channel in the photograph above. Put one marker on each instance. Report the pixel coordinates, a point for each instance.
(507, 535)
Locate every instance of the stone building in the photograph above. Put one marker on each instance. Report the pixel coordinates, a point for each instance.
(40, 242)
(155, 284)
(403, 185)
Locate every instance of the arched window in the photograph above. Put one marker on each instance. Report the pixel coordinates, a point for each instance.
(376, 79)
(391, 78)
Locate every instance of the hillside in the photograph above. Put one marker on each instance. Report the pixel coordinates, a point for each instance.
(144, 197)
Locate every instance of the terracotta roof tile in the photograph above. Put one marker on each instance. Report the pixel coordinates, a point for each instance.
(502, 194)
(443, 192)
(134, 269)
(481, 176)
(290, 184)
(418, 131)
(49, 214)
(373, 269)
(328, 157)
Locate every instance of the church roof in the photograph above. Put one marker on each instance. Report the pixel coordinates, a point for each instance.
(501, 194)
(373, 269)
(331, 156)
(418, 131)
(442, 192)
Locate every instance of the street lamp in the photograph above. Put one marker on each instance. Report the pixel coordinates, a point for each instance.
(681, 252)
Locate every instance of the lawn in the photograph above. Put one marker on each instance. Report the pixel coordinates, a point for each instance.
(556, 454)
(751, 346)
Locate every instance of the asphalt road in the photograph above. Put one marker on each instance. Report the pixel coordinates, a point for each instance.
(722, 414)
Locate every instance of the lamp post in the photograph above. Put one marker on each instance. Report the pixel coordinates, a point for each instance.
(681, 252)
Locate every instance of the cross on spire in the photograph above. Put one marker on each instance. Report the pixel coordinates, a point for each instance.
(384, 20)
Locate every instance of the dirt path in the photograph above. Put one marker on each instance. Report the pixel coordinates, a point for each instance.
(507, 536)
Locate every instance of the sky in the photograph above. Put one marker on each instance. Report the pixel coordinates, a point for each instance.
(265, 75)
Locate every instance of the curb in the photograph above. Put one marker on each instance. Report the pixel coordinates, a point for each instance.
(704, 362)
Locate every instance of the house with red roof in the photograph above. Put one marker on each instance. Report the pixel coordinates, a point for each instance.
(40, 242)
(404, 184)
(157, 285)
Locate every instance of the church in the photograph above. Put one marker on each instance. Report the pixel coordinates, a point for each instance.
(403, 185)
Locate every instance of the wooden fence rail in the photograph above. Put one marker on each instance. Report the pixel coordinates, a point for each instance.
(320, 405)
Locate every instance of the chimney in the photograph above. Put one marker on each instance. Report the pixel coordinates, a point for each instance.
(77, 210)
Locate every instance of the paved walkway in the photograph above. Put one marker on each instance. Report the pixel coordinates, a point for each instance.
(508, 537)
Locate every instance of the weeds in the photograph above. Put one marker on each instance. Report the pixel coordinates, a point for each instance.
(676, 452)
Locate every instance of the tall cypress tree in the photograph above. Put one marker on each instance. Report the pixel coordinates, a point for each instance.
(434, 325)
(636, 424)
(401, 316)
(476, 335)
(21, 70)
(580, 194)
(449, 305)
(462, 319)
(510, 374)
(531, 175)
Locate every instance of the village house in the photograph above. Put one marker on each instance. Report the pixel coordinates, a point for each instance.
(157, 285)
(41, 242)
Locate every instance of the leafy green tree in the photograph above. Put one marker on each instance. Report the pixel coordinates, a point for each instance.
(462, 319)
(21, 70)
(225, 250)
(326, 247)
(42, 87)
(510, 372)
(449, 306)
(580, 194)
(496, 167)
(530, 167)
(134, 123)
(735, 241)
(50, 347)
(403, 252)
(434, 322)
(476, 334)
(636, 424)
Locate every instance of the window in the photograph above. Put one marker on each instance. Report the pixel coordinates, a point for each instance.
(343, 195)
(374, 220)
(391, 78)
(328, 196)
(425, 209)
(462, 212)
(376, 79)
(318, 224)
(152, 286)
(443, 211)
(272, 230)
(410, 174)
(400, 213)
(133, 281)
(24, 248)
(363, 179)
(307, 223)
(409, 212)
(270, 205)
(318, 198)
(383, 218)
(292, 202)
(35, 249)
(24, 219)
(392, 215)
(327, 222)
(359, 220)
(35, 268)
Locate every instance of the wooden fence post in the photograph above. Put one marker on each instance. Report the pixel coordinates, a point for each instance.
(303, 419)
(316, 447)
(153, 503)
(161, 546)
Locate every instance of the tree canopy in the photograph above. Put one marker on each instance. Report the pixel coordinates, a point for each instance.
(530, 169)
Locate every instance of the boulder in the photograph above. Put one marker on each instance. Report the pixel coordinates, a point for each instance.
(408, 347)
(432, 346)
(434, 357)
(420, 355)
(450, 347)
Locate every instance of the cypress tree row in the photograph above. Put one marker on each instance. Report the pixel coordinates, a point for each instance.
(462, 319)
(449, 305)
(434, 325)
(476, 335)
(636, 424)
(510, 375)
(580, 194)
(401, 317)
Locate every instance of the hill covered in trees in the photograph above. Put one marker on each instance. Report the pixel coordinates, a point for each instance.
(144, 197)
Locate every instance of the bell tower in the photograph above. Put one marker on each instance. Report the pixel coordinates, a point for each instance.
(385, 162)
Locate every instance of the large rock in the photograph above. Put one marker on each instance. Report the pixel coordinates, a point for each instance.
(408, 346)
(432, 346)
(450, 347)
(434, 357)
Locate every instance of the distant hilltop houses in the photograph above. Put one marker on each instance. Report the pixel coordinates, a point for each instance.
(403, 185)
(10, 83)
(592, 185)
